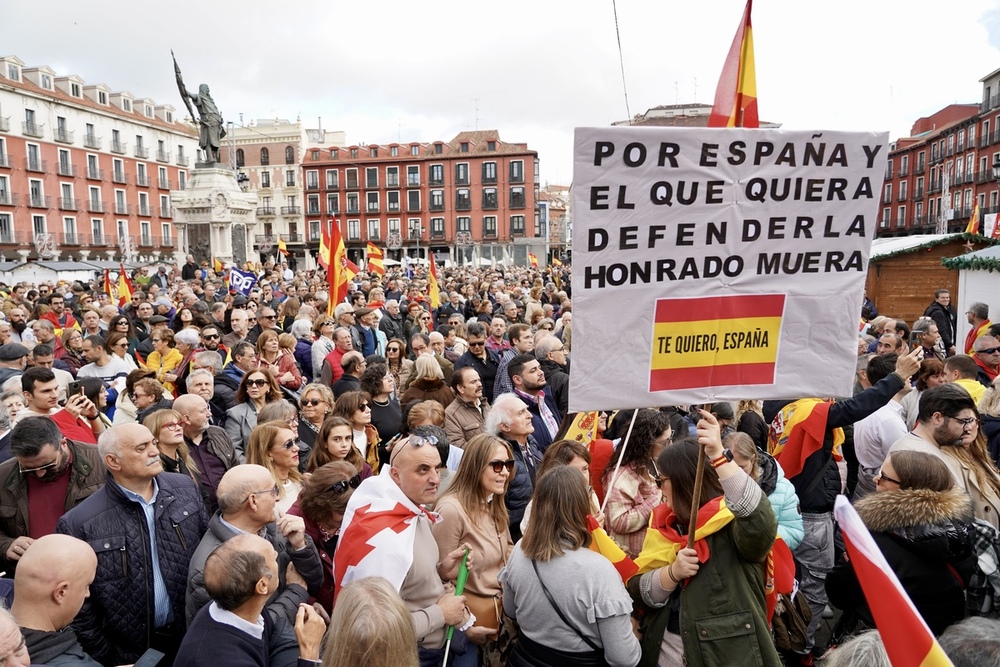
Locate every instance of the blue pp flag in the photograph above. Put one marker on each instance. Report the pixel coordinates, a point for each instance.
(241, 281)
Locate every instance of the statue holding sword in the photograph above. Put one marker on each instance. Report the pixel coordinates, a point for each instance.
(212, 129)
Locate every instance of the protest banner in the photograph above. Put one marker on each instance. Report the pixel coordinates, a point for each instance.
(241, 281)
(719, 264)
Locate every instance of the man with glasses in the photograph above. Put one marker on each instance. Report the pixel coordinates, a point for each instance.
(247, 496)
(58, 315)
(211, 339)
(47, 476)
(551, 354)
(481, 358)
(267, 319)
(945, 416)
(986, 352)
(210, 446)
(144, 526)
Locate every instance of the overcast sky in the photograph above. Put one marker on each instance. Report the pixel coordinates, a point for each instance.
(388, 70)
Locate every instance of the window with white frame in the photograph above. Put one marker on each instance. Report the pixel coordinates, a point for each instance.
(265, 179)
(290, 178)
(6, 228)
(166, 235)
(413, 175)
(352, 178)
(394, 225)
(38, 225)
(462, 173)
(312, 205)
(516, 171)
(144, 232)
(144, 204)
(373, 229)
(437, 200)
(332, 179)
(392, 200)
(5, 197)
(901, 219)
(437, 227)
(371, 178)
(354, 230)
(372, 202)
(353, 205)
(69, 229)
(314, 231)
(517, 224)
(332, 203)
(413, 200)
(463, 224)
(392, 177)
(886, 213)
(489, 225)
(312, 179)
(122, 228)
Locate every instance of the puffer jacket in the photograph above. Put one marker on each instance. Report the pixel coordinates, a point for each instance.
(926, 536)
(784, 500)
(522, 486)
(116, 622)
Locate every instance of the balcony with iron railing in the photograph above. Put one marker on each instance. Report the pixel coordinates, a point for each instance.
(36, 164)
(918, 194)
(166, 212)
(165, 183)
(373, 209)
(7, 198)
(517, 200)
(182, 160)
(162, 156)
(392, 207)
(62, 135)
(96, 206)
(412, 182)
(904, 170)
(66, 169)
(32, 129)
(95, 174)
(8, 237)
(312, 185)
(142, 180)
(293, 238)
(92, 141)
(119, 147)
(70, 238)
(4, 161)
(39, 201)
(901, 196)
(432, 181)
(141, 152)
(313, 210)
(4, 123)
(463, 204)
(265, 211)
(146, 240)
(120, 177)
(144, 210)
(291, 210)
(436, 206)
(413, 207)
(68, 204)
(122, 208)
(489, 233)
(989, 104)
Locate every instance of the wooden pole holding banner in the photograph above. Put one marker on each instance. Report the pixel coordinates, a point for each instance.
(621, 455)
(699, 474)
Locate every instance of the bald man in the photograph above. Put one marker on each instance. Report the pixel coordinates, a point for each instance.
(211, 447)
(247, 495)
(52, 581)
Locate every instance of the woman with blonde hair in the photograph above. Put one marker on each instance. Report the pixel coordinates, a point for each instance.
(474, 514)
(763, 469)
(428, 383)
(273, 445)
(749, 419)
(167, 428)
(164, 358)
(370, 627)
(315, 405)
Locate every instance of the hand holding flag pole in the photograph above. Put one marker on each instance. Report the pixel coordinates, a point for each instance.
(463, 576)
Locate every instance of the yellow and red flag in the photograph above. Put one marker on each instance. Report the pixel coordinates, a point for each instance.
(736, 94)
(217, 266)
(715, 341)
(323, 258)
(556, 262)
(336, 272)
(125, 287)
(604, 545)
(907, 639)
(798, 431)
(973, 226)
(107, 283)
(282, 248)
(433, 290)
(583, 428)
(663, 540)
(375, 258)
(533, 260)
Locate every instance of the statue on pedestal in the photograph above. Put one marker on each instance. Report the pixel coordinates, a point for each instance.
(210, 120)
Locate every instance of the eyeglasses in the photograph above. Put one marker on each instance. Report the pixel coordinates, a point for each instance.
(211, 336)
(25, 471)
(329, 323)
(364, 406)
(268, 317)
(259, 382)
(992, 350)
(500, 465)
(340, 488)
(124, 343)
(173, 425)
(392, 349)
(312, 402)
(416, 441)
(273, 491)
(287, 445)
(881, 476)
(477, 343)
(966, 423)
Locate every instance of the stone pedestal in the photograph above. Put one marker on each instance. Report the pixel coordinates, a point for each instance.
(214, 218)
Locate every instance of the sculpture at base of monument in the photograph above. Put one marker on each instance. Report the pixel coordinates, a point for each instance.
(210, 121)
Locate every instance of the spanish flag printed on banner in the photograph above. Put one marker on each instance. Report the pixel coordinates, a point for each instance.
(907, 639)
(715, 341)
(798, 431)
(604, 545)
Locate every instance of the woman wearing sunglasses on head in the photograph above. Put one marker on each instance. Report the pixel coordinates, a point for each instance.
(321, 503)
(257, 389)
(274, 446)
(474, 513)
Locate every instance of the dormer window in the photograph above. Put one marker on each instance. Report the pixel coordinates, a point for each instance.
(102, 97)
(46, 81)
(464, 147)
(74, 89)
(169, 116)
(126, 105)
(149, 111)
(13, 72)
(414, 150)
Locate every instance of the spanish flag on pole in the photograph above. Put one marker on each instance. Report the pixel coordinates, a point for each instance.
(217, 266)
(533, 260)
(375, 257)
(736, 95)
(336, 272)
(282, 248)
(107, 283)
(125, 287)
(907, 639)
(433, 291)
(973, 226)
(798, 431)
(323, 258)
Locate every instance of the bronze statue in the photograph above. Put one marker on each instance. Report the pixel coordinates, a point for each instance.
(210, 120)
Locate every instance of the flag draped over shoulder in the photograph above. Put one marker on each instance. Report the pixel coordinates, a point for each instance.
(336, 272)
(973, 226)
(377, 534)
(907, 639)
(375, 258)
(798, 431)
(736, 95)
(433, 290)
(663, 541)
(602, 543)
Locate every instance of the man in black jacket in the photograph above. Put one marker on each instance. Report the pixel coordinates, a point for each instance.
(818, 483)
(946, 319)
(551, 354)
(144, 525)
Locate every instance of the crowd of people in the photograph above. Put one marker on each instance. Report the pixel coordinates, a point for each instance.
(259, 479)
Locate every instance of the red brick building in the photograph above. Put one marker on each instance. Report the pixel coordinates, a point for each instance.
(86, 165)
(471, 199)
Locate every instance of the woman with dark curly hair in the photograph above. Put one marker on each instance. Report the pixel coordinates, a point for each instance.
(633, 491)
(387, 415)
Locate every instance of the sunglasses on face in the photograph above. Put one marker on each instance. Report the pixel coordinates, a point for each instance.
(287, 445)
(500, 465)
(311, 402)
(992, 350)
(259, 382)
(329, 323)
(364, 406)
(211, 336)
(340, 488)
(392, 349)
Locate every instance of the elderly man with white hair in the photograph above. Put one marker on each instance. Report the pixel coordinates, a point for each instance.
(144, 525)
(510, 419)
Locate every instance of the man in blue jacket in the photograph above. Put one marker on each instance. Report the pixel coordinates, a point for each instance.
(144, 526)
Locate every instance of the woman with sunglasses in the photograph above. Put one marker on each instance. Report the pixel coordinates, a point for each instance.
(400, 367)
(922, 524)
(286, 412)
(355, 407)
(274, 446)
(321, 504)
(270, 355)
(164, 358)
(123, 325)
(315, 405)
(323, 345)
(118, 346)
(257, 388)
(473, 513)
(335, 442)
(167, 428)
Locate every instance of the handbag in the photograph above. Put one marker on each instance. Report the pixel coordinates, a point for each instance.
(790, 623)
(487, 609)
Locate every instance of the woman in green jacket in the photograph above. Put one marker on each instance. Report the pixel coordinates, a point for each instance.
(705, 607)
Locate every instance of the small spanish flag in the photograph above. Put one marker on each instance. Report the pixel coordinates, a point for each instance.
(715, 341)
(433, 290)
(583, 428)
(973, 226)
(798, 431)
(217, 266)
(125, 287)
(556, 262)
(282, 248)
(533, 259)
(736, 93)
(375, 257)
(604, 545)
(908, 640)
